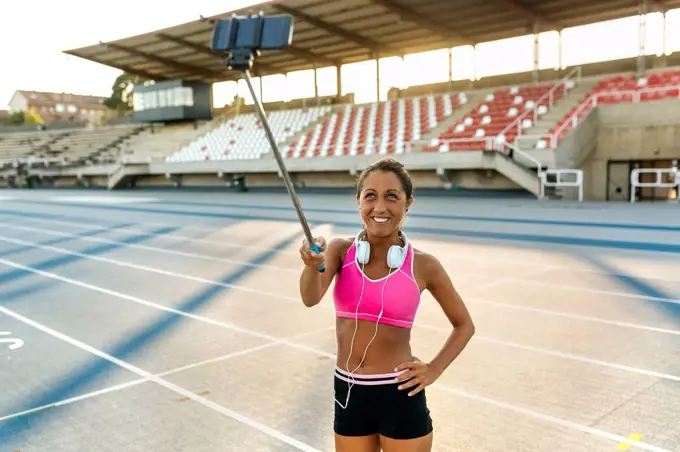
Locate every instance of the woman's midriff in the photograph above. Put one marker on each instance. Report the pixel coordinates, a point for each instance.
(391, 346)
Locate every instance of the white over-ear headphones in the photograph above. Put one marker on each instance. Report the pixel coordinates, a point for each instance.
(395, 255)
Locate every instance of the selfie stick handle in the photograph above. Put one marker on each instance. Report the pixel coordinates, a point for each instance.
(286, 178)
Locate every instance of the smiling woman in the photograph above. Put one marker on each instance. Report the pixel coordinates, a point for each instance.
(379, 280)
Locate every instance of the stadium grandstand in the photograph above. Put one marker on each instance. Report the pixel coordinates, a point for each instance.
(561, 99)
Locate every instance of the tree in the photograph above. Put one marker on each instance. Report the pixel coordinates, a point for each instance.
(121, 92)
(15, 118)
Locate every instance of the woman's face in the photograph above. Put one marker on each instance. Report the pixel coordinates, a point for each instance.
(383, 203)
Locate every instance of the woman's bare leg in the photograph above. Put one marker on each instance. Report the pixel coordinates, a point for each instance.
(369, 443)
(423, 444)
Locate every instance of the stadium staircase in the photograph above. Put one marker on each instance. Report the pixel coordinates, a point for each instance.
(531, 136)
(525, 175)
(122, 173)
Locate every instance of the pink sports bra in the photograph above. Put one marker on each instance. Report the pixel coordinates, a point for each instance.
(401, 293)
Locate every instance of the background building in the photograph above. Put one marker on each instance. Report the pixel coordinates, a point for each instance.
(58, 106)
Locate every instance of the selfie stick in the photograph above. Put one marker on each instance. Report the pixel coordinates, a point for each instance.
(243, 59)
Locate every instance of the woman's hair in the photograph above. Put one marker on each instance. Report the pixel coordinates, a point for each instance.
(388, 165)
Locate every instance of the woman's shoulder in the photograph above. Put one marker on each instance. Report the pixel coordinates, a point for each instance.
(425, 262)
(339, 246)
(341, 243)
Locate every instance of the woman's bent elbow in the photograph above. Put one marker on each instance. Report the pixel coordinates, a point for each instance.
(310, 302)
(470, 327)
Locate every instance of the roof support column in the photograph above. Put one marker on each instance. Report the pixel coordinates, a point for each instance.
(450, 68)
(338, 70)
(535, 75)
(316, 85)
(642, 38)
(377, 78)
(664, 43)
(475, 68)
(560, 51)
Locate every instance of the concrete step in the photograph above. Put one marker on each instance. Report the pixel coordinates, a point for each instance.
(544, 126)
(523, 177)
(555, 114)
(559, 110)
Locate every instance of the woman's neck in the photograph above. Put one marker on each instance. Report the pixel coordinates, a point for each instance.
(384, 242)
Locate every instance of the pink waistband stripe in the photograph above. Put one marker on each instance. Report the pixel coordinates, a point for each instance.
(367, 379)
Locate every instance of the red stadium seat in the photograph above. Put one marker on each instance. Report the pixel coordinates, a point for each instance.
(377, 128)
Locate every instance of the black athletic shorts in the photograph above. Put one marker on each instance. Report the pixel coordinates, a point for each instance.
(376, 406)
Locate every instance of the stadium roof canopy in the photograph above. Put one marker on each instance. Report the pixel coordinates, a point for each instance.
(332, 32)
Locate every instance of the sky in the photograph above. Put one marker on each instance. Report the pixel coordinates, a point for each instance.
(39, 31)
(33, 35)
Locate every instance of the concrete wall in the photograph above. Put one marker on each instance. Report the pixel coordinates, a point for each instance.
(644, 113)
(647, 131)
(469, 179)
(578, 145)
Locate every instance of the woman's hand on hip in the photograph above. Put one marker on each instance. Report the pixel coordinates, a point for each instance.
(418, 374)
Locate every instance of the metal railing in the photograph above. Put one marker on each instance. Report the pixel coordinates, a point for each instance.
(552, 140)
(672, 179)
(559, 182)
(514, 150)
(575, 73)
(544, 174)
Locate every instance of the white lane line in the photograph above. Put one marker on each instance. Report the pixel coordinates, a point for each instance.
(508, 406)
(489, 284)
(131, 265)
(295, 299)
(141, 301)
(151, 248)
(465, 256)
(584, 318)
(165, 383)
(100, 199)
(171, 237)
(75, 399)
(136, 382)
(422, 325)
(552, 419)
(495, 282)
(564, 355)
(600, 291)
